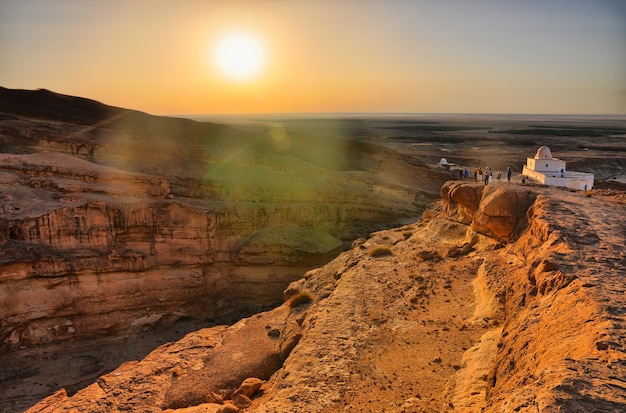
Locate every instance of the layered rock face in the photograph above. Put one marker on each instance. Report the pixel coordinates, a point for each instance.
(80, 264)
(114, 221)
(446, 314)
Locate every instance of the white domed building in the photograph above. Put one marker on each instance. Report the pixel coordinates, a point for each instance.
(546, 170)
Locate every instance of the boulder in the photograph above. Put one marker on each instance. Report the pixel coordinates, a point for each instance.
(502, 212)
(249, 386)
(461, 200)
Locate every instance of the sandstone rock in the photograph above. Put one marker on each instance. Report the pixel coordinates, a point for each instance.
(249, 386)
(492, 210)
(428, 255)
(452, 251)
(501, 213)
(214, 398)
(358, 242)
(461, 199)
(229, 408)
(292, 331)
(553, 338)
(241, 401)
(512, 374)
(236, 353)
(288, 344)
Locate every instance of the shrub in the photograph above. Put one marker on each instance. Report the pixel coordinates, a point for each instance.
(379, 252)
(300, 298)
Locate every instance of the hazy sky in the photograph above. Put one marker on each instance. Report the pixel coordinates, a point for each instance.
(457, 56)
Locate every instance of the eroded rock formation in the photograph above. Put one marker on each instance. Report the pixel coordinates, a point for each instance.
(440, 315)
(496, 211)
(79, 262)
(114, 221)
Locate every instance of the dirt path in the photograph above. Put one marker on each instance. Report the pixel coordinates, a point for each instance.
(398, 343)
(424, 310)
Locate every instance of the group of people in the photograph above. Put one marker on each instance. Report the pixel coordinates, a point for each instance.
(485, 176)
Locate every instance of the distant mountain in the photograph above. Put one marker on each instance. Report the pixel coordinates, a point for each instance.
(47, 105)
(45, 116)
(44, 105)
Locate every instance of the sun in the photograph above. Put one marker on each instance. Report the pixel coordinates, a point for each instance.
(239, 56)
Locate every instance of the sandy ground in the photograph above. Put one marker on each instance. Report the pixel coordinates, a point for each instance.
(426, 314)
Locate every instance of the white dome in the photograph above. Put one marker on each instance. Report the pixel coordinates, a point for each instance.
(543, 153)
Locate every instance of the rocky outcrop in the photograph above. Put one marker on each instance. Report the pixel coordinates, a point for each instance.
(397, 331)
(496, 211)
(564, 325)
(247, 349)
(461, 201)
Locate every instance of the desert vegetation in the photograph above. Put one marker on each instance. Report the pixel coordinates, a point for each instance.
(300, 298)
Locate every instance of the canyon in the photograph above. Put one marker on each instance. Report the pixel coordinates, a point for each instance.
(191, 227)
(115, 223)
(163, 264)
(501, 298)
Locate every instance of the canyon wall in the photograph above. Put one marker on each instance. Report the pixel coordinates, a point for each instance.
(87, 252)
(109, 268)
(523, 311)
(113, 221)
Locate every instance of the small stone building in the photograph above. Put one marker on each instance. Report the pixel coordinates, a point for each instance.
(546, 170)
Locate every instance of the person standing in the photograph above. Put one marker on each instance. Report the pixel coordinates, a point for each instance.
(509, 173)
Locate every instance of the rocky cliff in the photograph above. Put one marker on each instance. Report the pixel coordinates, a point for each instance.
(114, 221)
(502, 298)
(90, 251)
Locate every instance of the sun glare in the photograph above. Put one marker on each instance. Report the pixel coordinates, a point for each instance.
(239, 56)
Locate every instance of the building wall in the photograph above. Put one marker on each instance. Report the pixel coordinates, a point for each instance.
(574, 180)
(545, 165)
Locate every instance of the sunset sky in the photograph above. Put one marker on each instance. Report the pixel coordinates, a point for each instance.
(450, 56)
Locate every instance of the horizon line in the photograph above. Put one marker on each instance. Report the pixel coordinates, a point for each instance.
(620, 116)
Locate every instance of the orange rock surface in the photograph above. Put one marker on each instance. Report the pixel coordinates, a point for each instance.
(475, 324)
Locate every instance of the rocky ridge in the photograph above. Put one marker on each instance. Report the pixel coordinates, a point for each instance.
(501, 298)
